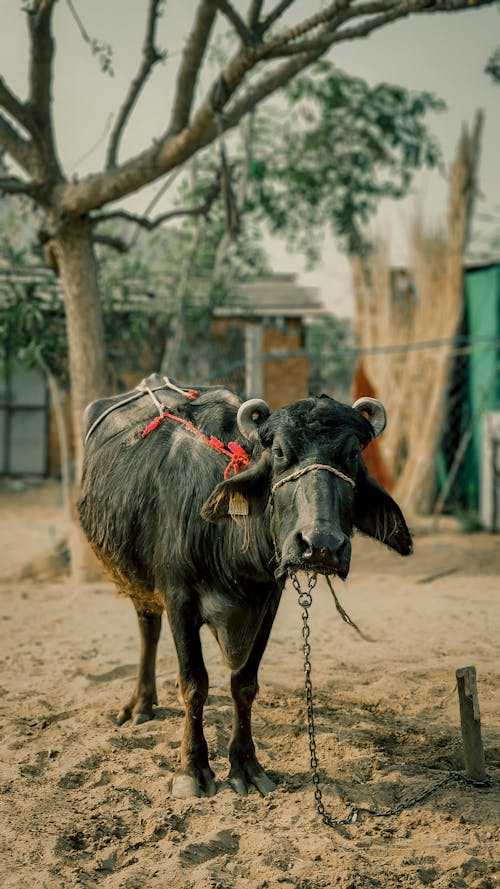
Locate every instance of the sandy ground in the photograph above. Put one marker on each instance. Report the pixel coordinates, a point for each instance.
(84, 803)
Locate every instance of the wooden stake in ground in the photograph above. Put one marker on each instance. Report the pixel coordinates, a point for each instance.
(470, 721)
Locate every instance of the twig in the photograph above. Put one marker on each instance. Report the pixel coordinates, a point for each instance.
(150, 57)
(150, 224)
(20, 149)
(233, 16)
(13, 185)
(112, 241)
(17, 109)
(192, 57)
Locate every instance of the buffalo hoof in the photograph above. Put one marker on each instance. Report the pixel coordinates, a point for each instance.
(250, 773)
(137, 717)
(200, 784)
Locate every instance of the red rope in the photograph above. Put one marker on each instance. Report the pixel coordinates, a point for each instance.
(238, 457)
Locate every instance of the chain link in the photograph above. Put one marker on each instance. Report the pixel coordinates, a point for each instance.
(305, 601)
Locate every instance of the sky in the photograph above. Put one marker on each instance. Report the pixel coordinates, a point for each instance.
(444, 54)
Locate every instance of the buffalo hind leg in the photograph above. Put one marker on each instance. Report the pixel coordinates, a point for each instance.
(245, 768)
(140, 706)
(194, 776)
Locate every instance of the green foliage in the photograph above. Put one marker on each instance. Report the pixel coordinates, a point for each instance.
(126, 285)
(99, 48)
(493, 66)
(32, 328)
(248, 259)
(339, 148)
(331, 353)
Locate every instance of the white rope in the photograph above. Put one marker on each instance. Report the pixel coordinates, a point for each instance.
(310, 468)
(159, 405)
(138, 393)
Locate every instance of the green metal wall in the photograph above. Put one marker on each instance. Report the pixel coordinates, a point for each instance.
(482, 296)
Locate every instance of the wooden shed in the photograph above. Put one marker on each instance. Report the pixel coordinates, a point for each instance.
(267, 320)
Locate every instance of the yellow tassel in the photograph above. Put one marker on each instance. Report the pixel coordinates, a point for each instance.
(238, 504)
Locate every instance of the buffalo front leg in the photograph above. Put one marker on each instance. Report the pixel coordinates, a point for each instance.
(245, 768)
(194, 776)
(140, 706)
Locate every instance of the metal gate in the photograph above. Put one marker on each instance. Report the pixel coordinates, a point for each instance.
(23, 423)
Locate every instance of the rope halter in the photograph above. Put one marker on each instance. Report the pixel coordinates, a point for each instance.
(310, 468)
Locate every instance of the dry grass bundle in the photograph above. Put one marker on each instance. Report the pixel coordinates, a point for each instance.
(395, 309)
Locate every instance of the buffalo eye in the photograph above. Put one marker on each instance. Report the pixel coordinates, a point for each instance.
(279, 456)
(352, 458)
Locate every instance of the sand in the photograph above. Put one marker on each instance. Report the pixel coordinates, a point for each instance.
(84, 803)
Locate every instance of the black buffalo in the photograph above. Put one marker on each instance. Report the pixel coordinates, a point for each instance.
(207, 531)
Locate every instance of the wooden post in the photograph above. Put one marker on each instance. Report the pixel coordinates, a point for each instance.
(475, 768)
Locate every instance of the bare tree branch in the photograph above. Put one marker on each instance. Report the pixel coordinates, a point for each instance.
(398, 11)
(112, 241)
(341, 10)
(192, 58)
(254, 13)
(150, 57)
(305, 53)
(150, 224)
(276, 13)
(13, 185)
(377, 21)
(175, 147)
(267, 85)
(315, 21)
(239, 25)
(102, 50)
(389, 11)
(40, 98)
(21, 150)
(17, 109)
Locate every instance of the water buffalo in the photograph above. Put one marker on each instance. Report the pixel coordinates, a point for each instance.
(199, 505)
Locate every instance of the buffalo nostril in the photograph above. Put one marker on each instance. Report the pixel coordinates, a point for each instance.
(320, 546)
(306, 546)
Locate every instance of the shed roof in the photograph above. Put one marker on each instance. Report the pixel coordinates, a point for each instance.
(272, 296)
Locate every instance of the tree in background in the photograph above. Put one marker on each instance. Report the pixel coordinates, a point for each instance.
(340, 147)
(272, 178)
(331, 351)
(268, 53)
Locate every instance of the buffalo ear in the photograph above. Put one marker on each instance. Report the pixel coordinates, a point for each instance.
(244, 494)
(379, 516)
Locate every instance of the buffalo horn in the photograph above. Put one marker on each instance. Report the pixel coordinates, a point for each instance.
(250, 415)
(377, 416)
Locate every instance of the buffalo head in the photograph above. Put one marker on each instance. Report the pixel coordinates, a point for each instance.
(308, 477)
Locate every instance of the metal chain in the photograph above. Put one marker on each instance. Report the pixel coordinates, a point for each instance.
(305, 601)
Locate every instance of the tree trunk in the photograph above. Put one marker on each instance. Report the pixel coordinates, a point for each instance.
(62, 435)
(87, 365)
